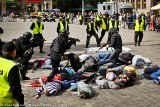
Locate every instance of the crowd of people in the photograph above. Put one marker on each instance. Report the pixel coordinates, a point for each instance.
(115, 73)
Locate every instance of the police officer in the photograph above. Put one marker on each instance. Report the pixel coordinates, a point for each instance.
(80, 17)
(91, 30)
(23, 44)
(68, 17)
(37, 27)
(139, 26)
(104, 26)
(63, 24)
(58, 47)
(115, 41)
(10, 87)
(113, 24)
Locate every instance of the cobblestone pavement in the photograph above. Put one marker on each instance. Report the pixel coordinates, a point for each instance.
(143, 94)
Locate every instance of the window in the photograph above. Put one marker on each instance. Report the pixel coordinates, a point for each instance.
(127, 1)
(104, 7)
(144, 4)
(108, 8)
(139, 4)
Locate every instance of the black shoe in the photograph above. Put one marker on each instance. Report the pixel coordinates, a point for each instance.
(41, 51)
(25, 78)
(135, 44)
(139, 44)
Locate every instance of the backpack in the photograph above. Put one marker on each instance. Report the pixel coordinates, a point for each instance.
(90, 64)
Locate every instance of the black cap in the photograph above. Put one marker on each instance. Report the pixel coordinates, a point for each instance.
(8, 47)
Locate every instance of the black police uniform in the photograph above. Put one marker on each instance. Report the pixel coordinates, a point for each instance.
(58, 47)
(103, 30)
(91, 31)
(22, 45)
(38, 37)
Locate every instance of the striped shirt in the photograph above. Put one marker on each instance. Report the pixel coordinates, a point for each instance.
(52, 87)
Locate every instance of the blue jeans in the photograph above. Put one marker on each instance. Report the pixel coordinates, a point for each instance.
(155, 75)
(74, 87)
(67, 84)
(103, 58)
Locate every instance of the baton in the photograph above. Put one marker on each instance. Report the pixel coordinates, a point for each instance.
(98, 49)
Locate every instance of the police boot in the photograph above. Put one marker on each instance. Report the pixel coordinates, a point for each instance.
(139, 44)
(25, 78)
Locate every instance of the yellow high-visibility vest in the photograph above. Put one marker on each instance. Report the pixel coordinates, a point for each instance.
(94, 26)
(37, 29)
(80, 17)
(111, 26)
(62, 27)
(103, 25)
(97, 18)
(68, 16)
(139, 27)
(6, 98)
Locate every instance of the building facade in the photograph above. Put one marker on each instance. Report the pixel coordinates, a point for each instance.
(141, 6)
(16, 6)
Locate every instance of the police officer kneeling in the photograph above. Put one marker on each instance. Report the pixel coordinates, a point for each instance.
(10, 87)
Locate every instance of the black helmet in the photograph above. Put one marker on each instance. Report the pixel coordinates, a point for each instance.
(64, 32)
(27, 35)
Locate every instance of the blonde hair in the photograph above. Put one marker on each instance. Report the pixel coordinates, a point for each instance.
(130, 69)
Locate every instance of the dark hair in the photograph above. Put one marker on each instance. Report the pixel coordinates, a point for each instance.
(131, 79)
(84, 95)
(47, 93)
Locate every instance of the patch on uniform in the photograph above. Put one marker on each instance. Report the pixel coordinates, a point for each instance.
(1, 72)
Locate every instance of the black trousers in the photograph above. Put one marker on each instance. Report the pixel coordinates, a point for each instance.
(102, 35)
(40, 40)
(89, 37)
(114, 57)
(55, 61)
(138, 37)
